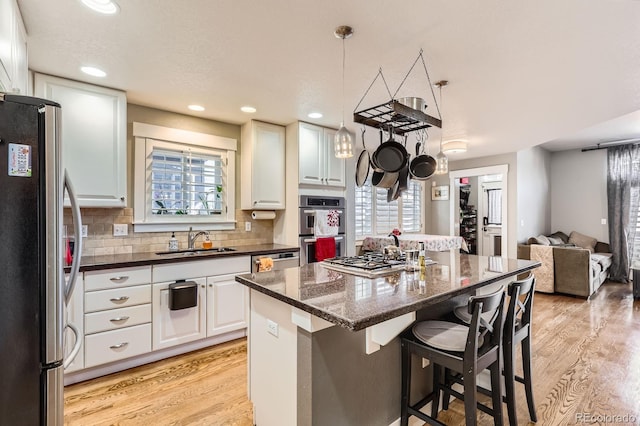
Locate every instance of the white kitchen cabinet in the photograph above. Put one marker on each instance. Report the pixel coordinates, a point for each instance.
(263, 166)
(94, 139)
(117, 314)
(227, 305)
(318, 164)
(222, 302)
(172, 328)
(14, 72)
(74, 314)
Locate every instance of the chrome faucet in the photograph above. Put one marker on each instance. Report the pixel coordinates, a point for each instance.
(192, 237)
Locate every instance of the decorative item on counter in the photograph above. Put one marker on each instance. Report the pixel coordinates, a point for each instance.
(207, 243)
(421, 258)
(265, 264)
(173, 242)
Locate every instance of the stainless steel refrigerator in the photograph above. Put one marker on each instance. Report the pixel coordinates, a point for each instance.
(33, 291)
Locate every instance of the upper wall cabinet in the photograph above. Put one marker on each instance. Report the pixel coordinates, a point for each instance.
(94, 138)
(14, 72)
(263, 166)
(317, 162)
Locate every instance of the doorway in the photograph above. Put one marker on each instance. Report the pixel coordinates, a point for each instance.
(486, 186)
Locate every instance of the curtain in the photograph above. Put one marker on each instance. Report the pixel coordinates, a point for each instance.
(623, 190)
(494, 212)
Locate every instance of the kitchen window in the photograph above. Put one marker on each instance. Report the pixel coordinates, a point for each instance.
(374, 216)
(183, 179)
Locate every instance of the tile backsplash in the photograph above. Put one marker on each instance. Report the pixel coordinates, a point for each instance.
(100, 239)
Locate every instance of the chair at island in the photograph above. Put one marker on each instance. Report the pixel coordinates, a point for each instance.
(517, 331)
(465, 350)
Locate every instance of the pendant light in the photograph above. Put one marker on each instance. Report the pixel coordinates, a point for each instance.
(343, 142)
(442, 162)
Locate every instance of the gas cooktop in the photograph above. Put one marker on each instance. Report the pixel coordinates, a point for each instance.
(368, 265)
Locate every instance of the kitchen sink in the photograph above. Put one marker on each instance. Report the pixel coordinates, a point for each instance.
(192, 252)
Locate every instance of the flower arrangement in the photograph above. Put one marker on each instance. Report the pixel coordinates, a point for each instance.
(396, 232)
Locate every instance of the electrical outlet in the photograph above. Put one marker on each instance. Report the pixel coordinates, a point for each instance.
(603, 221)
(247, 226)
(120, 230)
(85, 231)
(64, 231)
(272, 328)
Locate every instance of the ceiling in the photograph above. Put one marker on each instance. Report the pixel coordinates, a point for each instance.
(521, 73)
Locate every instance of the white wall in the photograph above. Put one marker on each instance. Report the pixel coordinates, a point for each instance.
(534, 193)
(579, 193)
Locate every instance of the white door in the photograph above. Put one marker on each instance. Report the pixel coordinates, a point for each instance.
(311, 149)
(335, 167)
(268, 166)
(227, 304)
(180, 326)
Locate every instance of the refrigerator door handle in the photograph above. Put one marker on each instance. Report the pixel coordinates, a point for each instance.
(76, 347)
(77, 221)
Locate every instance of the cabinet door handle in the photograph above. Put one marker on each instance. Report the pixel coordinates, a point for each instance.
(203, 286)
(210, 285)
(120, 299)
(119, 345)
(119, 279)
(119, 319)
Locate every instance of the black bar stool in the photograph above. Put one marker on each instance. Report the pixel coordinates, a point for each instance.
(466, 350)
(517, 330)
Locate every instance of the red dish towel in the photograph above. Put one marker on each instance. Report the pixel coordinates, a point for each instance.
(325, 248)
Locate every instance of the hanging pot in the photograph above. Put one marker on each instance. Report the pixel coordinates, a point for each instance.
(391, 155)
(373, 159)
(363, 164)
(384, 179)
(423, 166)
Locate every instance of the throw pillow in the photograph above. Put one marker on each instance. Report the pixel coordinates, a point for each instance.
(558, 234)
(540, 239)
(555, 241)
(583, 241)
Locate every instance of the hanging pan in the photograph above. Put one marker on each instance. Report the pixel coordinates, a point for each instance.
(391, 155)
(362, 166)
(423, 166)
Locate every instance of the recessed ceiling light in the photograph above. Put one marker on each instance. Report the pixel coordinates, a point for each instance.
(248, 109)
(196, 108)
(314, 115)
(107, 7)
(93, 71)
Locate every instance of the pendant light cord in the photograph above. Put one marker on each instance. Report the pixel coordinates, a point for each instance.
(343, 60)
(439, 112)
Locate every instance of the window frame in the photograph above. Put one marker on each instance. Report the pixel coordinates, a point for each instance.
(374, 231)
(146, 137)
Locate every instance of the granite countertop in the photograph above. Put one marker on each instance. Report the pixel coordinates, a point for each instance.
(89, 263)
(355, 302)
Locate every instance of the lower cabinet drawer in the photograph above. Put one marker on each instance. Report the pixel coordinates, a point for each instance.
(116, 318)
(114, 345)
(116, 298)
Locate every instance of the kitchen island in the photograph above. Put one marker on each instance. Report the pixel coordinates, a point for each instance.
(323, 345)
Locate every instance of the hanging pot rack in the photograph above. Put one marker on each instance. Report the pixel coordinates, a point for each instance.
(401, 118)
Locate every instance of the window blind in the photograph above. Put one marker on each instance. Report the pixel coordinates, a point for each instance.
(186, 183)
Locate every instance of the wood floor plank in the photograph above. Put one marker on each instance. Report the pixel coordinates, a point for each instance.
(585, 362)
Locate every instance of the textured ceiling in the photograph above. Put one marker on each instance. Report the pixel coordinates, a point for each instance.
(521, 73)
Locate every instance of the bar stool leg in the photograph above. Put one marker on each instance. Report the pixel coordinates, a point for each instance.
(406, 385)
(496, 393)
(509, 381)
(435, 402)
(528, 377)
(470, 404)
(446, 396)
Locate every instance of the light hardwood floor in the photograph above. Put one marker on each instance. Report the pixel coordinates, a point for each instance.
(586, 362)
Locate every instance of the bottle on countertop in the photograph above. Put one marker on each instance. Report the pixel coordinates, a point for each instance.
(173, 242)
(207, 243)
(421, 256)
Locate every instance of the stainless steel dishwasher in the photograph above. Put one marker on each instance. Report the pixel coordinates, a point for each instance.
(284, 260)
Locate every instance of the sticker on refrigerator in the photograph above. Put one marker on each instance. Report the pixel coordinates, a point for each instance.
(19, 160)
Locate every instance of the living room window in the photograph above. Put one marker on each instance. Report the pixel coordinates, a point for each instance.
(183, 179)
(375, 216)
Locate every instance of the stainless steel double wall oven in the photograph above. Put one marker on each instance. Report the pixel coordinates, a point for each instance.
(309, 204)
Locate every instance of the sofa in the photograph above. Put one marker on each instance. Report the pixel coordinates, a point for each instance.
(573, 264)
